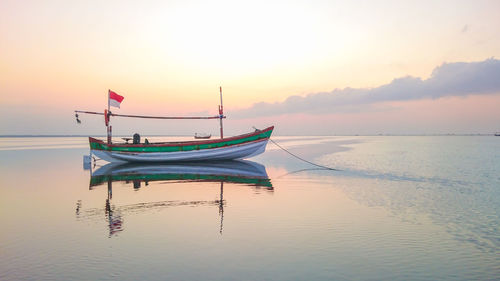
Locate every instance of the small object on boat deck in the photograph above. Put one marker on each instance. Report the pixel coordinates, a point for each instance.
(137, 139)
(202, 136)
(126, 139)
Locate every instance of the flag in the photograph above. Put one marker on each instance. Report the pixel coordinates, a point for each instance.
(115, 99)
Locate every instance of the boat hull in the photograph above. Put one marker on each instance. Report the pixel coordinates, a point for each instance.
(238, 147)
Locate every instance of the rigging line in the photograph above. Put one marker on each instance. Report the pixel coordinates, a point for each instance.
(152, 117)
(302, 159)
(166, 117)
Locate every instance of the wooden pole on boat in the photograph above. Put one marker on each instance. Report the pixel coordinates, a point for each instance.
(108, 128)
(152, 117)
(221, 114)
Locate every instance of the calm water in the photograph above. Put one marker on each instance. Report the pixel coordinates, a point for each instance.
(401, 208)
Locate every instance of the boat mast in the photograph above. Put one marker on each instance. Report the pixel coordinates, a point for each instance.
(221, 114)
(108, 128)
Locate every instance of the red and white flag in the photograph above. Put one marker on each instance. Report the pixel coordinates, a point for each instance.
(115, 99)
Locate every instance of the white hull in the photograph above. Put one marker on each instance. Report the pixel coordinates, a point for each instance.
(241, 151)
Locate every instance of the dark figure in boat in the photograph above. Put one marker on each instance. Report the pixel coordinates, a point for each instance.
(137, 139)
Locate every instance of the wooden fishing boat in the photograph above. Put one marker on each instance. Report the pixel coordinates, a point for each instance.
(237, 147)
(230, 148)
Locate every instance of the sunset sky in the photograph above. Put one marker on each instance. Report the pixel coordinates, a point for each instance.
(307, 67)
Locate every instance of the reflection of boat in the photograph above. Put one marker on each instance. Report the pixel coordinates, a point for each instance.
(202, 136)
(234, 171)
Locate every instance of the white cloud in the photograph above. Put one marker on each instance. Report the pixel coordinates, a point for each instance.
(449, 79)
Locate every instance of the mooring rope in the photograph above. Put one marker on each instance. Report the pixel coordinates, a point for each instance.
(302, 159)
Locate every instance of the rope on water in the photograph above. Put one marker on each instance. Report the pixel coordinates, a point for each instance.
(302, 159)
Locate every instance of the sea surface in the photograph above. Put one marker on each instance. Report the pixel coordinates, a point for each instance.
(395, 208)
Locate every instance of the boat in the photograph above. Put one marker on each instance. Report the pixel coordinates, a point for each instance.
(497, 134)
(237, 147)
(202, 136)
(225, 148)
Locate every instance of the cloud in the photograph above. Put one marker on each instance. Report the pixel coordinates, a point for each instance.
(449, 79)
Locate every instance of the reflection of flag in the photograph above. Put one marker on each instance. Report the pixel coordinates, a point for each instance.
(115, 99)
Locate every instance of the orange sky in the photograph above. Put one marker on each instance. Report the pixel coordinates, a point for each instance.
(169, 57)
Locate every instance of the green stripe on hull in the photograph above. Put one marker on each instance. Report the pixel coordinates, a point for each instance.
(152, 148)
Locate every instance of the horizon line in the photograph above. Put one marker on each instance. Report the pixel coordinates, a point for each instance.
(282, 135)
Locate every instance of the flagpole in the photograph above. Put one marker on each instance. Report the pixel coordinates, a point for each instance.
(221, 114)
(108, 132)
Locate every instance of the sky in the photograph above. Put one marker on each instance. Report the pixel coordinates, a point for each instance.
(306, 67)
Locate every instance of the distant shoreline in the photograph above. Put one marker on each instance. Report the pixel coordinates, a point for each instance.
(82, 136)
